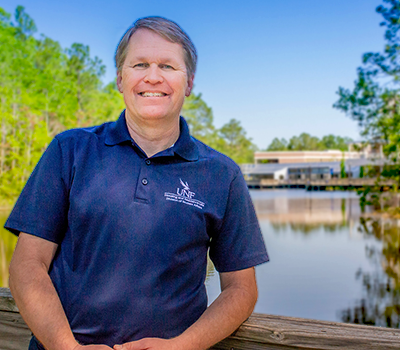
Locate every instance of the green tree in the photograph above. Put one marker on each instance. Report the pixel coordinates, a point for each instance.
(44, 89)
(304, 142)
(25, 24)
(361, 174)
(374, 102)
(278, 145)
(236, 144)
(231, 139)
(200, 119)
(335, 142)
(343, 169)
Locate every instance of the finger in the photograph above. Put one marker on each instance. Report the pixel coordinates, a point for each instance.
(134, 345)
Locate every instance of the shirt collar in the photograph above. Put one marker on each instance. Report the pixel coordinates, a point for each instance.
(184, 146)
(118, 132)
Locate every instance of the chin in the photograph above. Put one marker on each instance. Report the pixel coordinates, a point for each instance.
(156, 114)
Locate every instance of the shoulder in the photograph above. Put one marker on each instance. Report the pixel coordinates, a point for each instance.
(218, 161)
(80, 143)
(82, 135)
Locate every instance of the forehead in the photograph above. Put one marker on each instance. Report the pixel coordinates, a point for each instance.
(145, 42)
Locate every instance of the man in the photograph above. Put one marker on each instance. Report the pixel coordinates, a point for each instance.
(115, 222)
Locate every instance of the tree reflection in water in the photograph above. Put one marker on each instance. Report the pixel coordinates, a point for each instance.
(306, 229)
(380, 304)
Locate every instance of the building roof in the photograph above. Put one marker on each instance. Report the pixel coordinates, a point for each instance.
(271, 168)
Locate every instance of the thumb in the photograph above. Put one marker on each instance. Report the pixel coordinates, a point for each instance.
(133, 345)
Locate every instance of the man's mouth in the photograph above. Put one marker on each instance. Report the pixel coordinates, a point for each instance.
(152, 94)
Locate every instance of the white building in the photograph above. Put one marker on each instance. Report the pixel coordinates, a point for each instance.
(356, 151)
(307, 170)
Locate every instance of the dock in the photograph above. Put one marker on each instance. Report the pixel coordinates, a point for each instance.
(259, 332)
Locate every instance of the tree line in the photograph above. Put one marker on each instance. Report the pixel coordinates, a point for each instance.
(46, 89)
(307, 142)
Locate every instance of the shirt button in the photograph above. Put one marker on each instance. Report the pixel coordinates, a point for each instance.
(148, 161)
(144, 182)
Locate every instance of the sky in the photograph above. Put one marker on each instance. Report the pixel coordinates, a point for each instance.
(273, 65)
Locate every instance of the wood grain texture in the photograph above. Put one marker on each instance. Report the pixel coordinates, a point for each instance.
(7, 302)
(259, 332)
(277, 332)
(14, 333)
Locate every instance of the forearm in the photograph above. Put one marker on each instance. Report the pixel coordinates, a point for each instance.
(40, 306)
(232, 307)
(35, 295)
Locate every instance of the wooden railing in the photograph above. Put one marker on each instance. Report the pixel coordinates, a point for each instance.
(14, 333)
(259, 332)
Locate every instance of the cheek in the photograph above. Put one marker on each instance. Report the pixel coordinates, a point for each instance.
(180, 84)
(130, 80)
(176, 79)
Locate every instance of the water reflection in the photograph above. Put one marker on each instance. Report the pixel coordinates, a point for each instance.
(310, 213)
(307, 210)
(380, 302)
(321, 248)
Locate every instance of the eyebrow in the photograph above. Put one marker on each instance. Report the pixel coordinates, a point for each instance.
(162, 60)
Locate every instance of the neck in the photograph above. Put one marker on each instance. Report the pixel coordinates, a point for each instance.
(153, 136)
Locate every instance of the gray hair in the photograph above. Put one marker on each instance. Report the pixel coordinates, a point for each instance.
(165, 28)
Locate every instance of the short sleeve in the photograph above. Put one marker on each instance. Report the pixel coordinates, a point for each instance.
(238, 244)
(42, 207)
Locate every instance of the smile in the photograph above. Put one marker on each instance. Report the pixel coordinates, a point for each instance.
(152, 94)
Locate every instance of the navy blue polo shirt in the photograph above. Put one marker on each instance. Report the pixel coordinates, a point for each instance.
(133, 232)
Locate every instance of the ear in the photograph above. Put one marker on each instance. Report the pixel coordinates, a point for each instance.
(119, 82)
(189, 86)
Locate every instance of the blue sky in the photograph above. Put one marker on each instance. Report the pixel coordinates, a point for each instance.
(273, 65)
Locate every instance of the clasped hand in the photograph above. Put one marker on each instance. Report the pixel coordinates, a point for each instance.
(142, 344)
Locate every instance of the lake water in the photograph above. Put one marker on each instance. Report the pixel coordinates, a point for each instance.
(328, 262)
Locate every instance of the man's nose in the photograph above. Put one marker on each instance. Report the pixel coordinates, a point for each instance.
(153, 75)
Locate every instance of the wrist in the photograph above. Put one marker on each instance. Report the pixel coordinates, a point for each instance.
(69, 343)
(186, 342)
(63, 344)
(74, 346)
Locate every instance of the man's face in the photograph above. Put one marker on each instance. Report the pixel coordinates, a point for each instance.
(153, 79)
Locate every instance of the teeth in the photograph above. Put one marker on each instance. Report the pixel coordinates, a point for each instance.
(152, 94)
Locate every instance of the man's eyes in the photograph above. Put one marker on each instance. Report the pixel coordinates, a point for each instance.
(166, 66)
(146, 65)
(141, 65)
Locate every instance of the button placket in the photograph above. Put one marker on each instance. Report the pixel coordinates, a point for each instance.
(143, 185)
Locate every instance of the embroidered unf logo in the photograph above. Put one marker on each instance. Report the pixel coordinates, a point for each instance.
(185, 192)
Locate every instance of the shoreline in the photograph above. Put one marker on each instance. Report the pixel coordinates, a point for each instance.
(383, 214)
